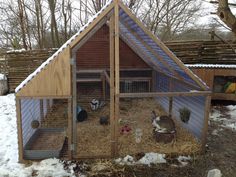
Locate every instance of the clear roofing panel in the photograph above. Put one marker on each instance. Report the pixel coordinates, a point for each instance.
(129, 27)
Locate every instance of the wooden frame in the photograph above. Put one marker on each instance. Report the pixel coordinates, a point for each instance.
(70, 130)
(19, 129)
(163, 94)
(112, 84)
(117, 75)
(206, 117)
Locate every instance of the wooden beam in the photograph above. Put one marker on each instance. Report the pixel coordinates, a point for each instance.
(162, 46)
(206, 117)
(19, 130)
(74, 100)
(45, 97)
(117, 74)
(170, 106)
(168, 67)
(103, 87)
(106, 77)
(70, 130)
(41, 109)
(163, 94)
(112, 85)
(91, 26)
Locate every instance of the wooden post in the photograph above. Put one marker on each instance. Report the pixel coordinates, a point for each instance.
(19, 129)
(41, 109)
(74, 99)
(70, 130)
(112, 91)
(117, 75)
(103, 87)
(170, 106)
(154, 81)
(206, 117)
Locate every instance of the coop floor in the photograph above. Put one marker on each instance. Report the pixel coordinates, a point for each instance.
(94, 139)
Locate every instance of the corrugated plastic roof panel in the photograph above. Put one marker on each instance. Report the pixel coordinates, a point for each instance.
(128, 27)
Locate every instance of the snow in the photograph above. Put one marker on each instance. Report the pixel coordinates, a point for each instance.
(147, 159)
(41, 67)
(214, 173)
(228, 121)
(9, 166)
(210, 66)
(2, 77)
(16, 51)
(184, 160)
(152, 158)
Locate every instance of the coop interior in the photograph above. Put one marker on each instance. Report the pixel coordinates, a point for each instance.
(137, 132)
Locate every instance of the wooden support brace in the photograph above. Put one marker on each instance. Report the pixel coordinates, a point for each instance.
(206, 117)
(117, 76)
(19, 130)
(112, 85)
(41, 110)
(70, 130)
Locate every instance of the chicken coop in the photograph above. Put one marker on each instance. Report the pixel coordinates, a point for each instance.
(112, 89)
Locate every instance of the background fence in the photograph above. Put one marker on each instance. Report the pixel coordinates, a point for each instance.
(18, 65)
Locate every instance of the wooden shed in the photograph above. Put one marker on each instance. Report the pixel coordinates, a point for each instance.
(221, 78)
(116, 65)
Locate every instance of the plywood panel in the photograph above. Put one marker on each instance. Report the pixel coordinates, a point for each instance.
(53, 80)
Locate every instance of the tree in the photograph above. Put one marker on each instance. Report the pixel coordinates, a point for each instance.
(225, 14)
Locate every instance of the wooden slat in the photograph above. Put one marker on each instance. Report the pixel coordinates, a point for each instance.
(112, 85)
(163, 94)
(70, 129)
(88, 80)
(206, 117)
(117, 75)
(74, 100)
(19, 129)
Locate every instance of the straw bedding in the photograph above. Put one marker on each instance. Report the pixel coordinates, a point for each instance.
(94, 139)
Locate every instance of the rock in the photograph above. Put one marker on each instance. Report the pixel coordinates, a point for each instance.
(214, 173)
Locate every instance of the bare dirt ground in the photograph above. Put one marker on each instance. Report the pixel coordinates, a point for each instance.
(220, 154)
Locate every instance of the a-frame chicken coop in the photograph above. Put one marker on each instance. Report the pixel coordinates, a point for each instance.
(97, 95)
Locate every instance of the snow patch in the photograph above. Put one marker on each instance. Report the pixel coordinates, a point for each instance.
(3, 77)
(147, 159)
(152, 158)
(183, 160)
(214, 173)
(227, 122)
(16, 51)
(210, 66)
(9, 165)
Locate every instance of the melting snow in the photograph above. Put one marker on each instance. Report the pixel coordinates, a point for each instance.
(2, 77)
(228, 121)
(147, 159)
